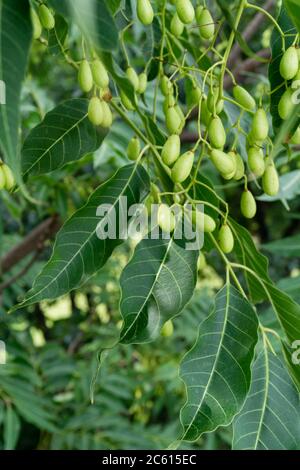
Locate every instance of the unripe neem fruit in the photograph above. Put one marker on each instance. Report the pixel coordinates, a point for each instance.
(166, 86)
(270, 180)
(243, 98)
(289, 63)
(126, 101)
(145, 12)
(100, 74)
(194, 96)
(205, 115)
(8, 177)
(166, 219)
(183, 167)
(286, 105)
(169, 101)
(173, 120)
(167, 329)
(248, 205)
(46, 17)
(206, 23)
(134, 149)
(176, 26)
(226, 239)
(185, 11)
(224, 163)
(171, 150)
(36, 24)
(201, 263)
(214, 105)
(240, 166)
(85, 77)
(204, 223)
(143, 82)
(256, 161)
(260, 125)
(107, 115)
(216, 133)
(133, 78)
(182, 117)
(295, 140)
(198, 12)
(95, 111)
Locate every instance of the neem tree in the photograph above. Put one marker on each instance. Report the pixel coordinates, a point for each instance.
(232, 373)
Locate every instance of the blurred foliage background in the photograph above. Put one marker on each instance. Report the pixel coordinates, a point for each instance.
(52, 348)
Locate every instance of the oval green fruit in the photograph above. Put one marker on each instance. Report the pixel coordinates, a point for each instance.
(239, 164)
(214, 104)
(107, 115)
(203, 222)
(85, 77)
(224, 163)
(226, 239)
(173, 120)
(2, 177)
(206, 23)
(166, 86)
(201, 263)
(95, 111)
(260, 125)
(145, 12)
(100, 74)
(165, 218)
(171, 150)
(46, 17)
(289, 63)
(36, 24)
(248, 205)
(198, 12)
(134, 149)
(167, 329)
(270, 180)
(169, 101)
(143, 82)
(256, 161)
(183, 167)
(205, 115)
(185, 11)
(126, 101)
(8, 177)
(176, 26)
(133, 78)
(216, 133)
(286, 105)
(243, 98)
(194, 96)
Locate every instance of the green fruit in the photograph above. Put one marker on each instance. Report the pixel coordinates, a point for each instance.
(100, 74)
(205, 115)
(198, 12)
(201, 263)
(295, 140)
(289, 63)
(85, 77)
(270, 180)
(145, 12)
(166, 219)
(206, 23)
(168, 329)
(171, 150)
(95, 111)
(166, 86)
(126, 101)
(173, 120)
(185, 11)
(286, 105)
(252, 142)
(248, 205)
(260, 125)
(243, 98)
(256, 161)
(226, 239)
(2, 177)
(181, 116)
(224, 163)
(169, 101)
(107, 115)
(143, 82)
(214, 105)
(183, 167)
(194, 96)
(46, 17)
(133, 78)
(8, 177)
(134, 149)
(216, 133)
(204, 223)
(240, 167)
(36, 24)
(176, 26)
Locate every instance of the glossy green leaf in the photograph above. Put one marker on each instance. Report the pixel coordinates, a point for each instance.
(65, 135)
(270, 418)
(79, 252)
(217, 370)
(293, 8)
(15, 40)
(156, 285)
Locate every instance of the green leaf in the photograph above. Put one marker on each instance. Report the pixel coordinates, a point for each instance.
(293, 8)
(156, 285)
(270, 418)
(65, 135)
(217, 370)
(15, 40)
(288, 247)
(79, 252)
(289, 188)
(93, 18)
(12, 427)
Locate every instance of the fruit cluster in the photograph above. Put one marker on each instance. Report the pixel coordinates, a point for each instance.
(42, 19)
